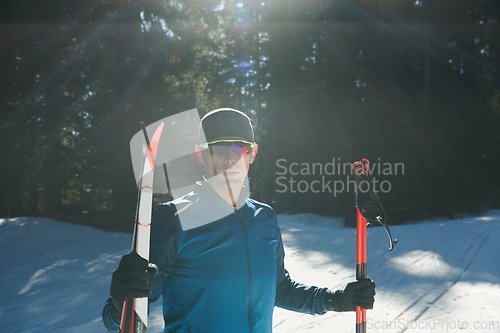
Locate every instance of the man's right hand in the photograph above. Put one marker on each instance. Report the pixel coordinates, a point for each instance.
(132, 279)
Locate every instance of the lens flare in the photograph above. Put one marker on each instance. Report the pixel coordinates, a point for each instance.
(242, 20)
(244, 73)
(244, 67)
(239, 4)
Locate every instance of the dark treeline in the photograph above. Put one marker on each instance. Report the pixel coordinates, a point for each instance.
(411, 85)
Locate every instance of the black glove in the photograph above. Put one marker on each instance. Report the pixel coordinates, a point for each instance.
(358, 293)
(132, 279)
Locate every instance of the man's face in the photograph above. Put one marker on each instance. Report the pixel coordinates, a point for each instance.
(227, 159)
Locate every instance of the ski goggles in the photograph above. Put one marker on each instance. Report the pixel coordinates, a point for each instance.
(221, 147)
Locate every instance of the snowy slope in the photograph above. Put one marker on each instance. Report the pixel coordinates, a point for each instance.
(440, 277)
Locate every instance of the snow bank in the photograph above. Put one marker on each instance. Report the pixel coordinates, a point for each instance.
(441, 276)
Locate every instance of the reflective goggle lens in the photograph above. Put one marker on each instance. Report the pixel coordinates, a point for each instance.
(221, 148)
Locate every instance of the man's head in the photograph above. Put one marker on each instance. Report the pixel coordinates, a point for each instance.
(226, 124)
(229, 148)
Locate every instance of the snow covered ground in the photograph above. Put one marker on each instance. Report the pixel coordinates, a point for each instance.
(442, 276)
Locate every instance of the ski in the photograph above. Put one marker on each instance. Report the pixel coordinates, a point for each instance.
(135, 311)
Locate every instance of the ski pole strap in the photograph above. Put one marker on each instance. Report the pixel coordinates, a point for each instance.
(367, 201)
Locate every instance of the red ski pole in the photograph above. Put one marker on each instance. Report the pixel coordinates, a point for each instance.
(361, 273)
(369, 209)
(361, 268)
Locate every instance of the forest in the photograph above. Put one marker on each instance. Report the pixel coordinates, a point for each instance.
(411, 85)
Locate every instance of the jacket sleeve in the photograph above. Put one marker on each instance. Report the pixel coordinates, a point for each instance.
(163, 252)
(164, 246)
(295, 296)
(108, 321)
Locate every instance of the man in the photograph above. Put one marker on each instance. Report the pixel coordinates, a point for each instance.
(219, 254)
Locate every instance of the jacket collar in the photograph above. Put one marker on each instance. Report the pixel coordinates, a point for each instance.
(210, 207)
(205, 190)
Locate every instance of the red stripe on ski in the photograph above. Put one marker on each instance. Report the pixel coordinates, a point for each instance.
(132, 320)
(123, 316)
(143, 225)
(153, 146)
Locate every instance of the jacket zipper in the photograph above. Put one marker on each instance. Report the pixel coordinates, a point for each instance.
(249, 271)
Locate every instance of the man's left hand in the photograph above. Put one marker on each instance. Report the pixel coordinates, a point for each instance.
(358, 293)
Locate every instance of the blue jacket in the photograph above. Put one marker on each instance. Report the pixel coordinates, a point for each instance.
(223, 276)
